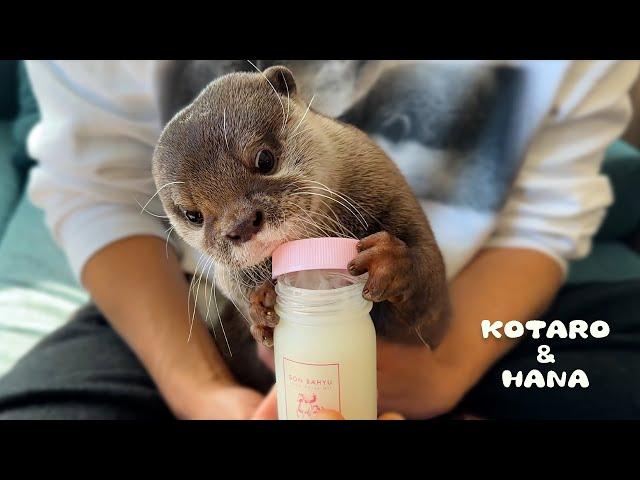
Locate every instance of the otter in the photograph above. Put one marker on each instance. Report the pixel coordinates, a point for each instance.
(247, 166)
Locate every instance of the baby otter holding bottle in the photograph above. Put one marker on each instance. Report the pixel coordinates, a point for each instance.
(248, 167)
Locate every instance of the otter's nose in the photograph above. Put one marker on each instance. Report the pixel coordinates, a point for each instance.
(246, 229)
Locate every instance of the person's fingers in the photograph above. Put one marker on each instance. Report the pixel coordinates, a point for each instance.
(391, 416)
(326, 414)
(268, 409)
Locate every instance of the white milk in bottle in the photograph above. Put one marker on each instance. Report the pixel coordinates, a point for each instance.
(325, 342)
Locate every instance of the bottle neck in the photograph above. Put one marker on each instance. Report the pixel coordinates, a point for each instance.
(313, 305)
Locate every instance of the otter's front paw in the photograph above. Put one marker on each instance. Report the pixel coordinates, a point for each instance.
(263, 316)
(395, 283)
(409, 285)
(390, 265)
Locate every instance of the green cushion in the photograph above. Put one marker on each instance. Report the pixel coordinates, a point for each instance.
(28, 253)
(14, 160)
(608, 262)
(28, 116)
(8, 88)
(37, 289)
(10, 177)
(622, 166)
(610, 259)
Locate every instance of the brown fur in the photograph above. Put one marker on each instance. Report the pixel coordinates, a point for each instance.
(406, 271)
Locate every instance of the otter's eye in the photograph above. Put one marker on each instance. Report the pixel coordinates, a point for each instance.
(194, 217)
(265, 161)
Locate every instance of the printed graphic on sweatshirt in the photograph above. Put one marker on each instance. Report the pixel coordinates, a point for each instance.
(447, 125)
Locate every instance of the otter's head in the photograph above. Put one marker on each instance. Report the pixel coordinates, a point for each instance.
(231, 167)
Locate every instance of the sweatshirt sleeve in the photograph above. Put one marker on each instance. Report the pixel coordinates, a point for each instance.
(94, 142)
(560, 198)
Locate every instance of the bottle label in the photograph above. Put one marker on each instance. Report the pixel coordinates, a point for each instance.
(310, 387)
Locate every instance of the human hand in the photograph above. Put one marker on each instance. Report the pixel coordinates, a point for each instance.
(333, 415)
(268, 410)
(417, 381)
(220, 402)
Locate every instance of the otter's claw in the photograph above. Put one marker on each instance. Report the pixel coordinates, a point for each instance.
(263, 316)
(390, 265)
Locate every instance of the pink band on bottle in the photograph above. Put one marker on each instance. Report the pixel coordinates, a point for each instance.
(313, 254)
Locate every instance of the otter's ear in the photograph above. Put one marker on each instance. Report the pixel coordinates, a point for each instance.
(282, 80)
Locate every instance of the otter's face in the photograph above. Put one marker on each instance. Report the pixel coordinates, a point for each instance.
(228, 167)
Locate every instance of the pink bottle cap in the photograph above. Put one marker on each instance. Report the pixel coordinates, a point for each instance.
(313, 254)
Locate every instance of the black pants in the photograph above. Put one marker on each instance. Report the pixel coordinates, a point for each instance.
(85, 371)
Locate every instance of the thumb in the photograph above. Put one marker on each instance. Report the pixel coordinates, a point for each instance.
(326, 414)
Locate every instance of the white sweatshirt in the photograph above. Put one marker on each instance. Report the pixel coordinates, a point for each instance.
(499, 153)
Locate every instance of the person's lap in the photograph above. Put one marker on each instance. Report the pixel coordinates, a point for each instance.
(81, 371)
(85, 371)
